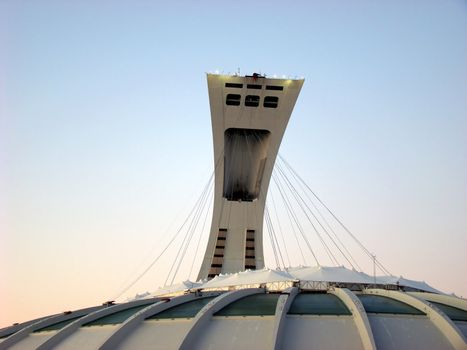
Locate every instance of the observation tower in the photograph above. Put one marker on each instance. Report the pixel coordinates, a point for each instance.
(249, 116)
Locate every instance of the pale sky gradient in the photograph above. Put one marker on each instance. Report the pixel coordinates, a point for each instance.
(105, 138)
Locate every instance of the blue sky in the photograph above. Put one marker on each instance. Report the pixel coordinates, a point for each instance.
(105, 136)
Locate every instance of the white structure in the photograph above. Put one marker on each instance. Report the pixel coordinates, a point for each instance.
(249, 116)
(301, 308)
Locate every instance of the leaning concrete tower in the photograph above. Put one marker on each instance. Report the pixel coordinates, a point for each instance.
(249, 115)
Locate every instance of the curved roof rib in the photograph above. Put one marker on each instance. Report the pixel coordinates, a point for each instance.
(205, 314)
(442, 299)
(283, 306)
(359, 314)
(43, 323)
(72, 327)
(134, 321)
(439, 319)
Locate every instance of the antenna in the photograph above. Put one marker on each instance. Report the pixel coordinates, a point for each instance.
(374, 268)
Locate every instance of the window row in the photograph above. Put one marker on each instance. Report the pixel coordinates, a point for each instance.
(254, 86)
(252, 101)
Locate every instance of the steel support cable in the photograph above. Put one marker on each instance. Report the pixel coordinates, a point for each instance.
(163, 250)
(288, 206)
(317, 220)
(150, 252)
(293, 229)
(379, 264)
(142, 262)
(297, 198)
(190, 231)
(280, 227)
(272, 243)
(268, 217)
(182, 245)
(201, 232)
(329, 227)
(336, 236)
(336, 218)
(292, 219)
(277, 241)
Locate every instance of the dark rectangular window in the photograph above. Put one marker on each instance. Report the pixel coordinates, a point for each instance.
(221, 238)
(271, 101)
(249, 256)
(218, 255)
(216, 265)
(233, 100)
(250, 248)
(250, 239)
(251, 267)
(274, 87)
(234, 85)
(220, 246)
(254, 86)
(251, 101)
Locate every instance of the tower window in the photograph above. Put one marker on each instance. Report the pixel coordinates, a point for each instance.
(233, 100)
(251, 101)
(254, 86)
(271, 101)
(274, 87)
(234, 85)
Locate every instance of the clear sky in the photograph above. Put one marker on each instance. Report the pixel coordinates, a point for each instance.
(105, 138)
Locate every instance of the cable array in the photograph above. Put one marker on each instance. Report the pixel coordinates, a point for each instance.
(181, 253)
(299, 213)
(190, 224)
(314, 221)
